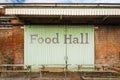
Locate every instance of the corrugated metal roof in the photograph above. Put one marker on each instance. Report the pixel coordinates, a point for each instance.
(63, 11)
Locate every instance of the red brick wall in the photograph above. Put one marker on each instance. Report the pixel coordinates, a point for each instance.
(5, 45)
(2, 11)
(107, 44)
(18, 45)
(11, 45)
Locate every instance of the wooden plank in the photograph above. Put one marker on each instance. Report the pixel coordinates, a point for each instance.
(14, 70)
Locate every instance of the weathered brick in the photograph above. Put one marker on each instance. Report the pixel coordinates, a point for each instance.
(107, 40)
(11, 45)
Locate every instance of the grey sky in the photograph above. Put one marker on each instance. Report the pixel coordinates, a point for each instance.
(60, 1)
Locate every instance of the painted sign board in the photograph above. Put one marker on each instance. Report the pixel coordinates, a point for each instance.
(56, 44)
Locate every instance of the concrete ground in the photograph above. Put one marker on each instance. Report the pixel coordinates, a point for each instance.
(59, 76)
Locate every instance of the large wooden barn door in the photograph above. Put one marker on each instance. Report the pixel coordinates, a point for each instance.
(80, 46)
(57, 44)
(44, 45)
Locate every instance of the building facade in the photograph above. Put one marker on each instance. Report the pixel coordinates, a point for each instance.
(59, 33)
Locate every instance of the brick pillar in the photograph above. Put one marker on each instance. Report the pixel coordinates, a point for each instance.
(6, 56)
(2, 11)
(18, 45)
(107, 44)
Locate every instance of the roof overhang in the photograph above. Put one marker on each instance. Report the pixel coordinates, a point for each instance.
(71, 13)
(64, 11)
(60, 5)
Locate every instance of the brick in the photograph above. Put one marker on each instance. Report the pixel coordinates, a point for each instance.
(107, 40)
(12, 45)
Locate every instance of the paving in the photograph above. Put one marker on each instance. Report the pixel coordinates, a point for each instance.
(60, 76)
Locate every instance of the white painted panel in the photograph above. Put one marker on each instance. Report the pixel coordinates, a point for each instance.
(62, 11)
(80, 47)
(39, 51)
(75, 42)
